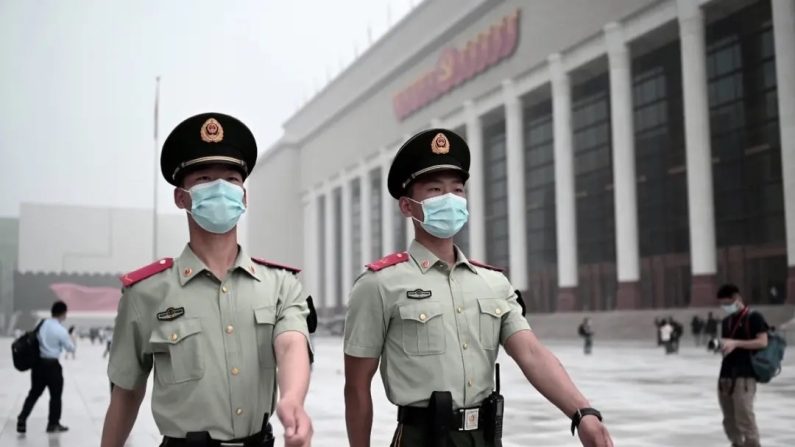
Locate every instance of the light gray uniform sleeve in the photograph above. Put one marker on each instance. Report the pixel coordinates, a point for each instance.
(513, 321)
(293, 310)
(129, 364)
(365, 322)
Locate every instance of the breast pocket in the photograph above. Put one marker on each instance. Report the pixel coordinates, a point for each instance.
(491, 312)
(423, 328)
(265, 318)
(178, 350)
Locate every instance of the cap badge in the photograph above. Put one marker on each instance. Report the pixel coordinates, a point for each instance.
(212, 132)
(440, 145)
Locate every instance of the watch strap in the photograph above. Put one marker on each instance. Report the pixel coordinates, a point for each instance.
(581, 413)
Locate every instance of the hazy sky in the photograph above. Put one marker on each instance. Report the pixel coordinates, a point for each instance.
(78, 78)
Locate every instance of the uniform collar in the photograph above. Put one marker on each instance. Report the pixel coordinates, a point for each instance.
(190, 265)
(426, 260)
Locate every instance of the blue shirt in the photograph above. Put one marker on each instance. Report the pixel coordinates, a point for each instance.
(53, 338)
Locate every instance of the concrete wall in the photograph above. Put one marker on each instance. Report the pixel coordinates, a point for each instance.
(274, 221)
(76, 239)
(9, 237)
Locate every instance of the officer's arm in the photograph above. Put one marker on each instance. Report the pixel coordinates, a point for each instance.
(359, 374)
(292, 356)
(123, 410)
(545, 372)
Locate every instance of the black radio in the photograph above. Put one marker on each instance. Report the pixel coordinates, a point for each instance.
(494, 407)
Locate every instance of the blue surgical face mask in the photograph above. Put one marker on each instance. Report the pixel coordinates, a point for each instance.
(730, 309)
(217, 205)
(444, 215)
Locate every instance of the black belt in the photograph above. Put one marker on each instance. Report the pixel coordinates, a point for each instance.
(421, 416)
(203, 439)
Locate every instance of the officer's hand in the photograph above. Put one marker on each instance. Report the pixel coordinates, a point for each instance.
(593, 433)
(296, 423)
(728, 345)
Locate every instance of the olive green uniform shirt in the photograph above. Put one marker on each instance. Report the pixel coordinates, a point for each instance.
(445, 340)
(214, 366)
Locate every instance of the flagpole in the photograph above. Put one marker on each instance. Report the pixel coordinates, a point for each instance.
(155, 172)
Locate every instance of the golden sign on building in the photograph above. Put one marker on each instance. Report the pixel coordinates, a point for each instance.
(458, 65)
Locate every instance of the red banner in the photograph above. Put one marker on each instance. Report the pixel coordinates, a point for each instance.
(458, 65)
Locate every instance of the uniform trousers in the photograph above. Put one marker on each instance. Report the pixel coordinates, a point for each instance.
(417, 436)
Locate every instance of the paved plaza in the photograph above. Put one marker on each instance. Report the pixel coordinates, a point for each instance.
(649, 399)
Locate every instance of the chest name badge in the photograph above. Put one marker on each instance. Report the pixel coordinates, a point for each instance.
(418, 294)
(172, 313)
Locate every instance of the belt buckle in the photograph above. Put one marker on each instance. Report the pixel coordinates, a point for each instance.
(471, 418)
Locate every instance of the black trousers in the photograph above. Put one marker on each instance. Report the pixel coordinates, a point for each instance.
(48, 374)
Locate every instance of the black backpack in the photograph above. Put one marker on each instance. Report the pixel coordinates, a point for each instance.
(25, 349)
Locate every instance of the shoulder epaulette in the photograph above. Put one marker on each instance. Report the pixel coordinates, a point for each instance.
(388, 261)
(485, 266)
(145, 272)
(293, 270)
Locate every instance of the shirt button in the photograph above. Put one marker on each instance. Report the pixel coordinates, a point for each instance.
(224, 289)
(459, 309)
(174, 337)
(423, 317)
(239, 411)
(469, 382)
(466, 345)
(498, 311)
(230, 329)
(235, 371)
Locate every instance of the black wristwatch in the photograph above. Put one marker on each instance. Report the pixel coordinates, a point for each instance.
(581, 413)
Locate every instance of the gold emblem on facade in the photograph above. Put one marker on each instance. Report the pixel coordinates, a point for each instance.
(440, 145)
(212, 132)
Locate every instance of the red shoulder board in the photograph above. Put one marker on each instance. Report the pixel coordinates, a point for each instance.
(146, 271)
(293, 270)
(388, 261)
(485, 266)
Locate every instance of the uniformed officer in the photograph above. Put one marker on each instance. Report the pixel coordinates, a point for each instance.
(436, 320)
(214, 322)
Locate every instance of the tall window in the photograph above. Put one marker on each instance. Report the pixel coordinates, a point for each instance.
(462, 238)
(540, 186)
(660, 152)
(593, 163)
(749, 204)
(356, 227)
(338, 293)
(746, 151)
(496, 193)
(542, 255)
(375, 215)
(321, 237)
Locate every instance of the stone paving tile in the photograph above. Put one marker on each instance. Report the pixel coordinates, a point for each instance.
(648, 398)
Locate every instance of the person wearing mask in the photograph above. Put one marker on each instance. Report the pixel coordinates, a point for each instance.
(435, 321)
(742, 332)
(47, 372)
(223, 330)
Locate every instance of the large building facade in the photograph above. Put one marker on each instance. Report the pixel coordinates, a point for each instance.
(626, 154)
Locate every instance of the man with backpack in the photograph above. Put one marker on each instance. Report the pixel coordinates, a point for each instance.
(46, 371)
(743, 333)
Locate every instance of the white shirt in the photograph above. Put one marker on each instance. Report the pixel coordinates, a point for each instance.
(665, 332)
(53, 339)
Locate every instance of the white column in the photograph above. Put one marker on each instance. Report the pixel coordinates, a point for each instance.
(387, 209)
(477, 225)
(366, 218)
(784, 36)
(697, 138)
(517, 207)
(622, 126)
(347, 250)
(311, 255)
(329, 263)
(565, 211)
